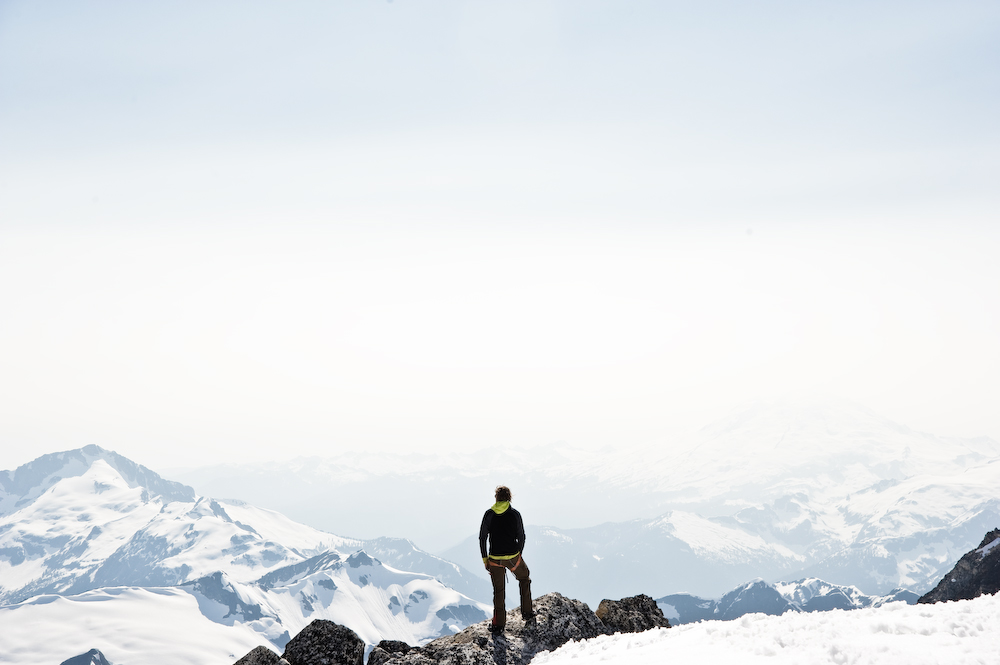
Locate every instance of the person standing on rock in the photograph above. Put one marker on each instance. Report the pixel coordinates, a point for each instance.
(503, 527)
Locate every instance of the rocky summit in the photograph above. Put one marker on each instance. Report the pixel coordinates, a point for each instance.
(631, 615)
(557, 620)
(977, 573)
(262, 656)
(387, 650)
(325, 643)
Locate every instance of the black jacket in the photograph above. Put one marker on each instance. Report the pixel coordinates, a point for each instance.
(505, 532)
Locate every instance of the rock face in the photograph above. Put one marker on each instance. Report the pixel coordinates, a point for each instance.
(387, 650)
(557, 621)
(92, 657)
(325, 643)
(261, 656)
(631, 615)
(975, 574)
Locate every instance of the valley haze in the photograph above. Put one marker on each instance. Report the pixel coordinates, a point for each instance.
(776, 490)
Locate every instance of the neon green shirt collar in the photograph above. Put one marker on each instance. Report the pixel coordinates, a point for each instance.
(500, 507)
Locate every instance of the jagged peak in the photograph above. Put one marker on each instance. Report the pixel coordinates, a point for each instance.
(361, 558)
(988, 540)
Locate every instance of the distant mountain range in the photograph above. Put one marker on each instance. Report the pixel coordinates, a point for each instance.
(757, 596)
(825, 490)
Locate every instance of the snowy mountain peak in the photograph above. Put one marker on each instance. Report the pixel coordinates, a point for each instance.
(92, 657)
(88, 518)
(29, 481)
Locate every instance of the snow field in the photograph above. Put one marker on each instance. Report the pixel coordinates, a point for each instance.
(955, 633)
(130, 625)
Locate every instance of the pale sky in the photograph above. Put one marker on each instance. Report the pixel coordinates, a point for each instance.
(250, 231)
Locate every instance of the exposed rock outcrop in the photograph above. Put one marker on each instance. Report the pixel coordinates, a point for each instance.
(325, 642)
(631, 615)
(387, 650)
(977, 573)
(261, 656)
(557, 621)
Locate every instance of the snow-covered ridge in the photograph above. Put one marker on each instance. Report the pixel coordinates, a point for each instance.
(986, 549)
(376, 601)
(957, 632)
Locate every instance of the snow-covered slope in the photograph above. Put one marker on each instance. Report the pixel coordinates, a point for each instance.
(956, 633)
(376, 601)
(91, 520)
(129, 625)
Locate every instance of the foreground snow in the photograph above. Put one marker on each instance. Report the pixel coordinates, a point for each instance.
(954, 633)
(131, 626)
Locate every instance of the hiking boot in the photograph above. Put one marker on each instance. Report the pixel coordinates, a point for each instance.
(494, 628)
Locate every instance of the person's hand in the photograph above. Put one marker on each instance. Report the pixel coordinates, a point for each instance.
(486, 564)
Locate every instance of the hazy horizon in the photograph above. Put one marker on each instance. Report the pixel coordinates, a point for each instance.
(242, 231)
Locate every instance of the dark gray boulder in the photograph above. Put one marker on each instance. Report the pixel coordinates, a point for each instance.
(261, 656)
(557, 621)
(977, 573)
(386, 650)
(92, 657)
(325, 642)
(631, 615)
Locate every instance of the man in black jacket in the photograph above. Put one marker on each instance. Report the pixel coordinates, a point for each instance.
(505, 530)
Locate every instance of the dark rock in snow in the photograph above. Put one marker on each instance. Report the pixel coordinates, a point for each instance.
(92, 657)
(557, 621)
(631, 615)
(975, 574)
(324, 642)
(261, 656)
(386, 650)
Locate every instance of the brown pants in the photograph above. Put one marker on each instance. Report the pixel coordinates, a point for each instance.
(498, 574)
